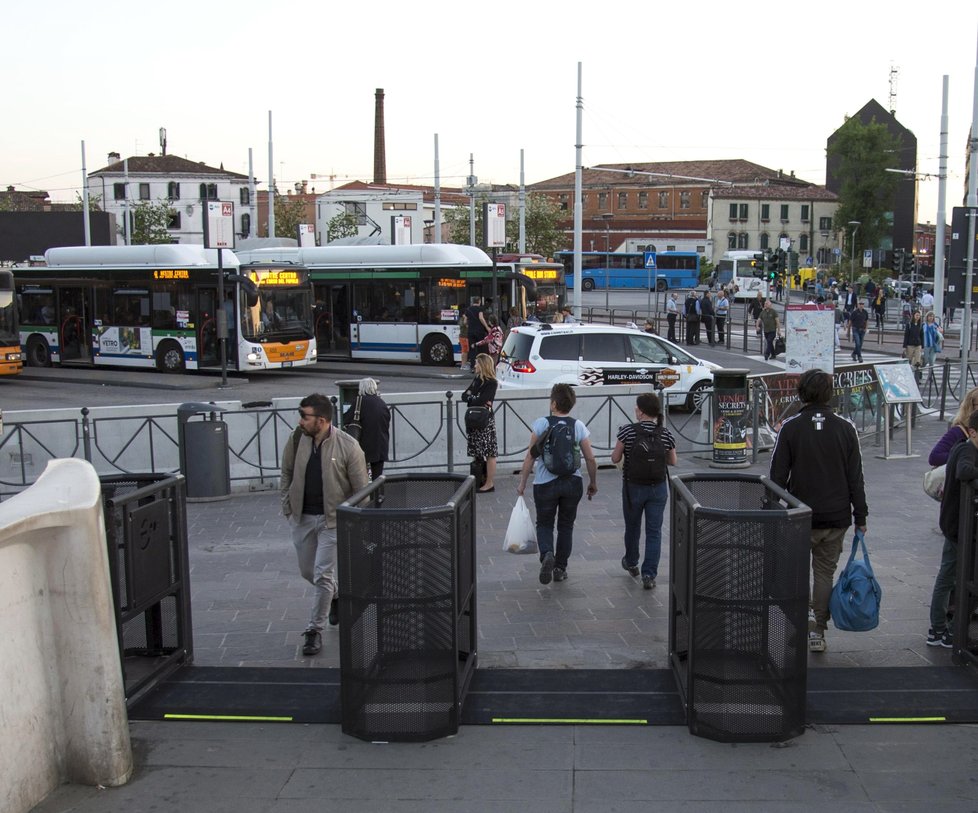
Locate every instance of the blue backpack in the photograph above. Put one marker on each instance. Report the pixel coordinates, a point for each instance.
(855, 601)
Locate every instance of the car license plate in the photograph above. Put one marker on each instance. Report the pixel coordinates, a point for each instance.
(286, 363)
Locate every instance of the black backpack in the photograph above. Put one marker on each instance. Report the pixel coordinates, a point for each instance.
(559, 448)
(645, 463)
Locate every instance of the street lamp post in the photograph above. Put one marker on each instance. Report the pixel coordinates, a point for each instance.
(852, 253)
(607, 217)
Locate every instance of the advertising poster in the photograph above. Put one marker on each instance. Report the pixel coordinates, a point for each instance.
(730, 425)
(126, 341)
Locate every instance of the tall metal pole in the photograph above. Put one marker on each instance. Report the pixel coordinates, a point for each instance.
(522, 242)
(970, 263)
(471, 199)
(578, 202)
(436, 237)
(86, 216)
(252, 200)
(941, 210)
(271, 181)
(125, 190)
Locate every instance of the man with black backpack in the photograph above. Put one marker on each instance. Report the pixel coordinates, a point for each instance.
(648, 449)
(557, 444)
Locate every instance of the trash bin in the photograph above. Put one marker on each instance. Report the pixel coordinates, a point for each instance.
(738, 605)
(406, 563)
(731, 418)
(349, 390)
(146, 532)
(207, 467)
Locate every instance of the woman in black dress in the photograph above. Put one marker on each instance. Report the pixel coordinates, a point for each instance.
(482, 442)
(375, 423)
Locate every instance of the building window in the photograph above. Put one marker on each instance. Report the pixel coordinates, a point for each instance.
(765, 241)
(144, 191)
(733, 211)
(765, 212)
(805, 212)
(743, 211)
(803, 243)
(742, 240)
(784, 212)
(732, 240)
(563, 201)
(825, 224)
(663, 200)
(602, 200)
(622, 200)
(245, 196)
(357, 210)
(781, 237)
(173, 190)
(119, 191)
(174, 222)
(705, 198)
(684, 200)
(400, 207)
(643, 200)
(208, 191)
(670, 248)
(245, 225)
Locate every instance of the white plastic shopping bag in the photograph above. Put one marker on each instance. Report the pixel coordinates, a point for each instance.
(521, 535)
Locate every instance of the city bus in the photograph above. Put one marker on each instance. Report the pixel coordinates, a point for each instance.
(621, 270)
(157, 307)
(403, 303)
(531, 284)
(739, 271)
(11, 358)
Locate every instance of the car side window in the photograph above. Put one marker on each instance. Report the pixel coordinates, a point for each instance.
(565, 347)
(647, 350)
(681, 356)
(605, 347)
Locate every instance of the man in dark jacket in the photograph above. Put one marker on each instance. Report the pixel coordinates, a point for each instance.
(692, 308)
(708, 313)
(962, 466)
(817, 459)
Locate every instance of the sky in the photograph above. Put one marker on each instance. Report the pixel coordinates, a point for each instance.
(764, 81)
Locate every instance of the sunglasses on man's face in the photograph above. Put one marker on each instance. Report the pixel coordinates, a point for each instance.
(312, 415)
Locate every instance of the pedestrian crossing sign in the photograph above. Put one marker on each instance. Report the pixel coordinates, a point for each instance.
(650, 259)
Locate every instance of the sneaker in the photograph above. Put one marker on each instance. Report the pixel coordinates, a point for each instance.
(816, 641)
(547, 568)
(560, 574)
(939, 638)
(812, 625)
(334, 612)
(632, 569)
(314, 642)
(647, 582)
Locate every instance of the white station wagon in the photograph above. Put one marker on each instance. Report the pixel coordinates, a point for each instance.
(540, 355)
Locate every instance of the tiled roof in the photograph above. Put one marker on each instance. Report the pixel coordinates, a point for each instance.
(774, 192)
(733, 170)
(170, 165)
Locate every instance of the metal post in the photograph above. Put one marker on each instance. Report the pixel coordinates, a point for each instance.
(522, 199)
(86, 215)
(222, 323)
(86, 434)
(450, 424)
(436, 237)
(271, 182)
(972, 202)
(941, 211)
(578, 202)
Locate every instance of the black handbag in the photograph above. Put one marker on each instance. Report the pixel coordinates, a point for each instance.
(353, 428)
(476, 418)
(779, 346)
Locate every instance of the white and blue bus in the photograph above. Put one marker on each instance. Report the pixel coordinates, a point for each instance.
(622, 270)
(741, 272)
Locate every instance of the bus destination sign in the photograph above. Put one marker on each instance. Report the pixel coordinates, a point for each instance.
(272, 278)
(451, 283)
(171, 273)
(541, 273)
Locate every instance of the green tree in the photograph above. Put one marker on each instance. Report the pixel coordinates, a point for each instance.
(457, 220)
(149, 222)
(94, 202)
(867, 190)
(543, 232)
(290, 212)
(342, 225)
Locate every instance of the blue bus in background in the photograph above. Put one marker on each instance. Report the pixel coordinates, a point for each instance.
(620, 270)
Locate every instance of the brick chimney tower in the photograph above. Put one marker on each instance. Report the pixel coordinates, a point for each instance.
(380, 153)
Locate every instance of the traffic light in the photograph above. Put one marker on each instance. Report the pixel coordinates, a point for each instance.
(770, 266)
(781, 260)
(911, 263)
(898, 256)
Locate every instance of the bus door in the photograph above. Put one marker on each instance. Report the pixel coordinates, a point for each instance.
(331, 316)
(75, 325)
(208, 350)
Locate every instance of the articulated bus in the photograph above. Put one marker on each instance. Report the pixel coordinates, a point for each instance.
(739, 270)
(623, 270)
(11, 358)
(157, 306)
(403, 303)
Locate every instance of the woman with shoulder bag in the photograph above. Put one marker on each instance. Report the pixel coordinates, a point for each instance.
(482, 439)
(913, 340)
(933, 339)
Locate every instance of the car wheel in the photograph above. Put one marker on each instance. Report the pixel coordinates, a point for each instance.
(170, 358)
(436, 352)
(697, 396)
(588, 285)
(38, 352)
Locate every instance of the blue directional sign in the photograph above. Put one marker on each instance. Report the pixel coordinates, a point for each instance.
(650, 259)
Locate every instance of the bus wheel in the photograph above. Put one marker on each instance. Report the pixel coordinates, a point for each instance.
(588, 285)
(169, 358)
(436, 351)
(660, 285)
(38, 352)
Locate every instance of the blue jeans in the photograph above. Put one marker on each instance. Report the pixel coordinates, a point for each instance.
(647, 501)
(857, 338)
(943, 584)
(558, 500)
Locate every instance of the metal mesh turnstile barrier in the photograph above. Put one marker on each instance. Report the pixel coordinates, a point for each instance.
(738, 601)
(146, 531)
(406, 566)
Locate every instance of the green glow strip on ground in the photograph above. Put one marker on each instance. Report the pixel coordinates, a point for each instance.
(908, 719)
(227, 718)
(567, 721)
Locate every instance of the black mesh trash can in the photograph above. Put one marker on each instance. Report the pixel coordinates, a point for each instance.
(738, 606)
(406, 566)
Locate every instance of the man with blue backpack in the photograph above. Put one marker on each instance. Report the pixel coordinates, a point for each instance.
(557, 444)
